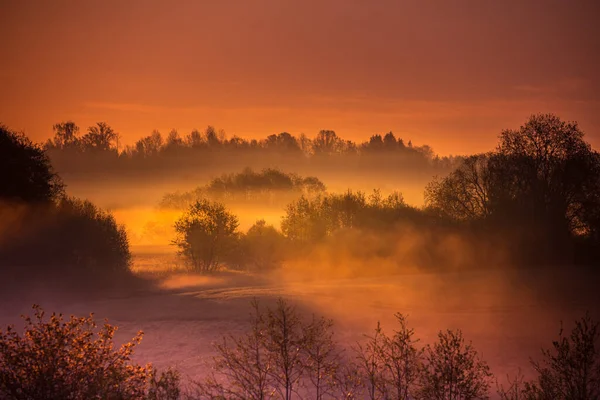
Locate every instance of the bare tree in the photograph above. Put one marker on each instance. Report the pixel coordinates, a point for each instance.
(285, 340)
(571, 368)
(402, 361)
(321, 357)
(371, 365)
(242, 367)
(453, 370)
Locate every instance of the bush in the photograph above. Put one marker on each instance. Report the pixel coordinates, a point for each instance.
(206, 235)
(69, 236)
(57, 359)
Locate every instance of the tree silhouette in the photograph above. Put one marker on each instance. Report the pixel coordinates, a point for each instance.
(26, 172)
(206, 235)
(99, 137)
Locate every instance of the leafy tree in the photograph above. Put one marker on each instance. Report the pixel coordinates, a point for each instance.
(327, 143)
(389, 141)
(206, 234)
(99, 137)
(65, 136)
(263, 246)
(283, 142)
(453, 370)
(25, 170)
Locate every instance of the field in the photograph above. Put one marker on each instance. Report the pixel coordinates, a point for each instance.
(507, 320)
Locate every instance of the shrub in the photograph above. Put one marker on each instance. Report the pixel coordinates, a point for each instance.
(57, 359)
(69, 236)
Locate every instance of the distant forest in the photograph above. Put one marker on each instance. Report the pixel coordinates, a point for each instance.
(98, 150)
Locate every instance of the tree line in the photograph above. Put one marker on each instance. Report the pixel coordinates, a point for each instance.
(99, 150)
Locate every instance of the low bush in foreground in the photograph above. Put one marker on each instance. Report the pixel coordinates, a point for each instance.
(74, 359)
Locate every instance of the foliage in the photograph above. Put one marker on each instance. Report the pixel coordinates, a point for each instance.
(453, 370)
(25, 170)
(270, 185)
(70, 235)
(57, 359)
(206, 234)
(541, 186)
(309, 220)
(262, 248)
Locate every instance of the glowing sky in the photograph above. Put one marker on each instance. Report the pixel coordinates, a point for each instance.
(451, 74)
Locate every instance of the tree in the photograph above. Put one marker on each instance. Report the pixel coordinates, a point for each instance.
(571, 368)
(453, 370)
(464, 194)
(25, 170)
(99, 137)
(283, 142)
(263, 246)
(321, 357)
(390, 142)
(57, 359)
(391, 365)
(327, 143)
(276, 358)
(206, 234)
(65, 135)
(285, 340)
(560, 168)
(402, 361)
(242, 367)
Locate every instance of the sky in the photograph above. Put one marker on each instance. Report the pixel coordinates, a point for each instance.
(450, 74)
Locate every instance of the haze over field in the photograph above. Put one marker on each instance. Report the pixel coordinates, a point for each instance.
(261, 186)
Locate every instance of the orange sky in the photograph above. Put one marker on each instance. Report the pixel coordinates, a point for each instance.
(450, 74)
